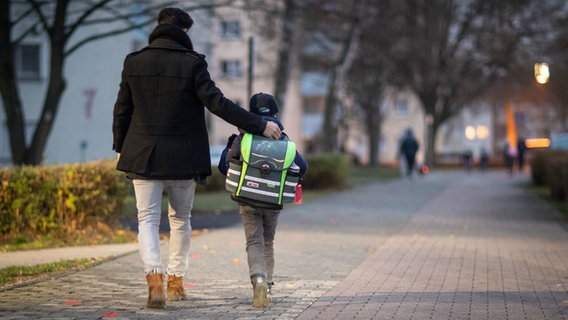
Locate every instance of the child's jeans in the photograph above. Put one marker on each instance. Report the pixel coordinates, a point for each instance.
(260, 227)
(149, 204)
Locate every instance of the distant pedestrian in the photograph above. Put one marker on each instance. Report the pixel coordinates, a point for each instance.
(407, 150)
(161, 139)
(467, 159)
(259, 218)
(483, 159)
(521, 149)
(509, 156)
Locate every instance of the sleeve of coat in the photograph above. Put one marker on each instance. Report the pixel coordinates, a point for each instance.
(215, 101)
(122, 113)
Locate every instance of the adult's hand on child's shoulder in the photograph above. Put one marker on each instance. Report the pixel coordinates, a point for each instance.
(272, 130)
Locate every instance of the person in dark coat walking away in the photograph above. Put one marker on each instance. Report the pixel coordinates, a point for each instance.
(408, 149)
(521, 149)
(484, 159)
(162, 143)
(509, 156)
(259, 219)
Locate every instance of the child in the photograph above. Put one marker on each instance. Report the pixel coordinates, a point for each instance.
(259, 219)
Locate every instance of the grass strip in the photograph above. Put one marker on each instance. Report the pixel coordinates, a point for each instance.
(20, 275)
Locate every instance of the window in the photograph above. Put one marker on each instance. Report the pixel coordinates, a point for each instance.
(231, 69)
(230, 29)
(27, 61)
(401, 108)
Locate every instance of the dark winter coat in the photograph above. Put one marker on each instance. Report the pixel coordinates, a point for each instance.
(409, 146)
(159, 121)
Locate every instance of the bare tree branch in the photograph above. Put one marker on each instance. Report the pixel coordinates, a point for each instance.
(85, 15)
(36, 5)
(106, 35)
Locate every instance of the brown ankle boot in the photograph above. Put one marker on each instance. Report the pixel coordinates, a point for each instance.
(175, 288)
(156, 296)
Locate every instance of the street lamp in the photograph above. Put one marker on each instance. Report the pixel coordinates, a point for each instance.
(541, 72)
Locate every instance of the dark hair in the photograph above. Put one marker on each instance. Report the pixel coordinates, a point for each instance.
(175, 16)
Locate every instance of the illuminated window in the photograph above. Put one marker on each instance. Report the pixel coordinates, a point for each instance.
(470, 133)
(482, 132)
(476, 132)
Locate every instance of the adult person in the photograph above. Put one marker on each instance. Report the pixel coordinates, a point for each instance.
(484, 159)
(408, 148)
(160, 134)
(509, 156)
(521, 149)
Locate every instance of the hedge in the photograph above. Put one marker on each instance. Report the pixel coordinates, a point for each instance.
(59, 200)
(549, 168)
(327, 171)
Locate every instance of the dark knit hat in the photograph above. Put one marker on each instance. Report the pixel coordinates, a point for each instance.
(175, 16)
(263, 104)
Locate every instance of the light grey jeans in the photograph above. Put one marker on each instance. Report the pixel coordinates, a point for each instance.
(260, 228)
(149, 204)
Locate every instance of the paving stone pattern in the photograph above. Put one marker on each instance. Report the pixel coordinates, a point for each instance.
(450, 245)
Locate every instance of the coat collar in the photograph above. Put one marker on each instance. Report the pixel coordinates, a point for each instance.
(169, 36)
(164, 43)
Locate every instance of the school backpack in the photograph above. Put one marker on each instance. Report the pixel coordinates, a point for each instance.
(265, 173)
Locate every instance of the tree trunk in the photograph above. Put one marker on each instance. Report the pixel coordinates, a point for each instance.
(288, 47)
(56, 86)
(373, 126)
(329, 127)
(429, 155)
(336, 89)
(8, 89)
(55, 90)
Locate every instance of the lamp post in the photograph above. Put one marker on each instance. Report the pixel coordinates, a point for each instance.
(510, 119)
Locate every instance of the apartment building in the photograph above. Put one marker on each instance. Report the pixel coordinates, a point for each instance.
(244, 58)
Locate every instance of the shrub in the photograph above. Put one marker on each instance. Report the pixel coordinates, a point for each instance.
(549, 168)
(60, 200)
(554, 175)
(538, 166)
(326, 171)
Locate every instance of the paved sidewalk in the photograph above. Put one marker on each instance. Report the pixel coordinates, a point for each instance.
(450, 245)
(35, 257)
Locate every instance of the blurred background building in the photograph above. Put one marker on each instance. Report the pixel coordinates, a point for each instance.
(242, 56)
